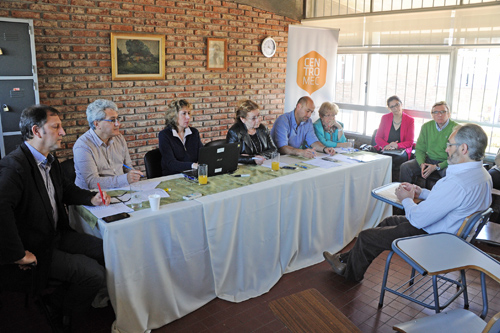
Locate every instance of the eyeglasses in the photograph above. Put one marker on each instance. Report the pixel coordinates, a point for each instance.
(448, 145)
(118, 198)
(438, 112)
(113, 120)
(395, 106)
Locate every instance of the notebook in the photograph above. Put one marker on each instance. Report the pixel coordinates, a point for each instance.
(220, 159)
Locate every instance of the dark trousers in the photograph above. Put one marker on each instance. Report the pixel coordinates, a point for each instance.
(410, 170)
(374, 241)
(77, 262)
(397, 160)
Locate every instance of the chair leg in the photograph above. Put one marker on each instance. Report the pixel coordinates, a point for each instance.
(412, 277)
(464, 285)
(485, 296)
(384, 280)
(436, 293)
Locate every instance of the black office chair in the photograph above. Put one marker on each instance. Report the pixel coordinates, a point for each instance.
(68, 169)
(216, 142)
(152, 161)
(374, 143)
(13, 279)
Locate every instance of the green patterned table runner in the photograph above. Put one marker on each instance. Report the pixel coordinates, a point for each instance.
(180, 187)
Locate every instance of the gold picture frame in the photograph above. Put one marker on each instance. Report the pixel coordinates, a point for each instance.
(137, 56)
(216, 54)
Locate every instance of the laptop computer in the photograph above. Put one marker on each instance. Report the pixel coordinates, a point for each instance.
(220, 159)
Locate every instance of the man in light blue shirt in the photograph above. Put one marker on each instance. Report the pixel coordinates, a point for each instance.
(293, 132)
(464, 190)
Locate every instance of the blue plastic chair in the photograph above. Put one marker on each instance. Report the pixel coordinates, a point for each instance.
(427, 291)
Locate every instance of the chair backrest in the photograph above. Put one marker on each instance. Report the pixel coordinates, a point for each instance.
(152, 161)
(472, 225)
(374, 143)
(68, 169)
(493, 325)
(216, 142)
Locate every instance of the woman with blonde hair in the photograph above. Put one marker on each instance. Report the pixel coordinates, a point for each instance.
(179, 143)
(329, 131)
(256, 143)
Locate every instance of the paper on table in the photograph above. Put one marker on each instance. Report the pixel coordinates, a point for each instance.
(388, 192)
(126, 197)
(159, 191)
(345, 159)
(103, 211)
(364, 157)
(147, 185)
(340, 150)
(326, 162)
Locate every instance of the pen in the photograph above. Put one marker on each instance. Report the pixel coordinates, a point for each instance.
(167, 189)
(257, 158)
(244, 175)
(102, 197)
(189, 177)
(301, 166)
(126, 166)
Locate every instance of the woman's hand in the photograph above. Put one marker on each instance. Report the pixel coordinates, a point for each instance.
(391, 146)
(259, 159)
(336, 124)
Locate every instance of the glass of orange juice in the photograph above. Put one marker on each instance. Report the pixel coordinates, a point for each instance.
(275, 161)
(202, 174)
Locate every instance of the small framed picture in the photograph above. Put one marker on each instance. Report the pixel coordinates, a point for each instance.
(137, 56)
(216, 54)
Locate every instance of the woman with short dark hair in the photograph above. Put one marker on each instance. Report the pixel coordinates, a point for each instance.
(396, 131)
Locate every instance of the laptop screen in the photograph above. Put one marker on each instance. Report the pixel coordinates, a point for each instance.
(220, 159)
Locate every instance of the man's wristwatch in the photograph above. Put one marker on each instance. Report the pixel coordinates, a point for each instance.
(438, 167)
(324, 150)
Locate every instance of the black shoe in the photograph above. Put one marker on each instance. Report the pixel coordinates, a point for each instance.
(334, 261)
(52, 313)
(66, 324)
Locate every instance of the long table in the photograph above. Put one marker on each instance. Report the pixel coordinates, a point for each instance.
(234, 245)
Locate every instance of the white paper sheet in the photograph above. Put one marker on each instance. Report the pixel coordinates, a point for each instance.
(326, 162)
(103, 211)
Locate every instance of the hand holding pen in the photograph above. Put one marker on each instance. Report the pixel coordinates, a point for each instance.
(133, 175)
(101, 198)
(308, 153)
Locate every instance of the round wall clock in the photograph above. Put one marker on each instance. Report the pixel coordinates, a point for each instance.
(268, 47)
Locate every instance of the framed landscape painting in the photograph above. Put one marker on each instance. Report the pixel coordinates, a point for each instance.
(137, 56)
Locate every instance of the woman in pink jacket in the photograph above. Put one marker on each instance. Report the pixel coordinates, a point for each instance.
(395, 132)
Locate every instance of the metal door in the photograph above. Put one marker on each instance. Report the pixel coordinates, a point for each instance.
(18, 78)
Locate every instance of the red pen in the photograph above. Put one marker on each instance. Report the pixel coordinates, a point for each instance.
(102, 197)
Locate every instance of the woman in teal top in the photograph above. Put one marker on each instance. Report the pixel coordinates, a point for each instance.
(329, 131)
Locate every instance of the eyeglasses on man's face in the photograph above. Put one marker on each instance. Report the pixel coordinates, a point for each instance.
(449, 144)
(116, 120)
(439, 112)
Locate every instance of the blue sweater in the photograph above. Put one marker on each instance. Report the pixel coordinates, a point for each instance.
(175, 157)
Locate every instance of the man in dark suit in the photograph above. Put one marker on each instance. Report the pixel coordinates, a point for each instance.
(34, 221)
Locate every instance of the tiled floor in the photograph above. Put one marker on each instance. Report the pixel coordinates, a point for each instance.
(358, 301)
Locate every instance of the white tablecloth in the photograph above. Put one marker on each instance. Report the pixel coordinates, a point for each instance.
(234, 245)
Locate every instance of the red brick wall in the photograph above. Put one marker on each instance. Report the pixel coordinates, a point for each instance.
(72, 40)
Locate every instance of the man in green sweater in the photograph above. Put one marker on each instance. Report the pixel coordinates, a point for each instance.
(430, 151)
